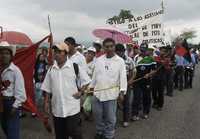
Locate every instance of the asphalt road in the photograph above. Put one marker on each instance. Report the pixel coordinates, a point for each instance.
(180, 119)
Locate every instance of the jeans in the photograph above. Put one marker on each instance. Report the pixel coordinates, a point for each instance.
(188, 77)
(38, 94)
(68, 127)
(158, 92)
(178, 78)
(10, 125)
(126, 108)
(142, 93)
(169, 82)
(105, 116)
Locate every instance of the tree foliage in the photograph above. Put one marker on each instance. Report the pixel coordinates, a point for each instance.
(123, 15)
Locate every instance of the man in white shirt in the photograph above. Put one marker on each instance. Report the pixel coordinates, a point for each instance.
(14, 95)
(110, 77)
(60, 84)
(90, 59)
(74, 55)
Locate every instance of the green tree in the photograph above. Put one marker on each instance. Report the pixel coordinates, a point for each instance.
(190, 34)
(124, 14)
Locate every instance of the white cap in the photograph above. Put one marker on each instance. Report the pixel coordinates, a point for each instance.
(6, 45)
(91, 49)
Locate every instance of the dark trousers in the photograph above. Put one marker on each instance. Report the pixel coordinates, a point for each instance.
(126, 108)
(158, 92)
(188, 77)
(178, 78)
(141, 92)
(169, 82)
(10, 124)
(68, 127)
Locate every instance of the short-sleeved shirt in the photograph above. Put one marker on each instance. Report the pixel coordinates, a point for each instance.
(61, 83)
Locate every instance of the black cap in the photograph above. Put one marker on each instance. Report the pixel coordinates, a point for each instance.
(71, 41)
(120, 47)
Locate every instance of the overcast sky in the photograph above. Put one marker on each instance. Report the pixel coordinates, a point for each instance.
(79, 17)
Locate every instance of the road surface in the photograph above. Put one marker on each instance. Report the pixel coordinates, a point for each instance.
(180, 119)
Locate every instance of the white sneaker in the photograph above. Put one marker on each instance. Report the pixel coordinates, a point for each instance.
(125, 124)
(135, 118)
(146, 116)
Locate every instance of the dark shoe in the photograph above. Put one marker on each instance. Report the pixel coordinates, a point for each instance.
(154, 106)
(99, 136)
(108, 138)
(22, 115)
(180, 89)
(170, 95)
(159, 109)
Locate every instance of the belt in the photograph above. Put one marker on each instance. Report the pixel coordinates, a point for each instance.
(8, 98)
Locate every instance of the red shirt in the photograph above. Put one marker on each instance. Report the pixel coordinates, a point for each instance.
(99, 54)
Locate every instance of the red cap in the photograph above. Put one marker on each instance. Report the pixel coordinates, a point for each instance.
(135, 46)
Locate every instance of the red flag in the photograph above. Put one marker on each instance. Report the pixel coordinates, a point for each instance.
(25, 59)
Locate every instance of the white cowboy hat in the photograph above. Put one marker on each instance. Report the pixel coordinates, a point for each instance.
(6, 45)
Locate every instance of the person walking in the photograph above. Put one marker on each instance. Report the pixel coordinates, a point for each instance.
(110, 78)
(60, 85)
(130, 70)
(14, 95)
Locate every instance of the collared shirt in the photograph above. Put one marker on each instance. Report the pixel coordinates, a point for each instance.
(79, 59)
(61, 83)
(129, 65)
(109, 73)
(16, 88)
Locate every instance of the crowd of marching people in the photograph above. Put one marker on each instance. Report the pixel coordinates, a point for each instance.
(95, 82)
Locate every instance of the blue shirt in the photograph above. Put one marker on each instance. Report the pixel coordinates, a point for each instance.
(193, 58)
(179, 60)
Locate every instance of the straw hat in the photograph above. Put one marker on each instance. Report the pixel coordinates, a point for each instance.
(62, 47)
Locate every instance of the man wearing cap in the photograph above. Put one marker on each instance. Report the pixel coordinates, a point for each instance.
(91, 52)
(60, 84)
(110, 78)
(74, 55)
(98, 47)
(142, 88)
(120, 51)
(14, 95)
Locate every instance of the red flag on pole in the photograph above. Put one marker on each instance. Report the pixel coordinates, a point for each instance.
(25, 59)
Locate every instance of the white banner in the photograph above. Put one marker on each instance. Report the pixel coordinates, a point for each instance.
(147, 28)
